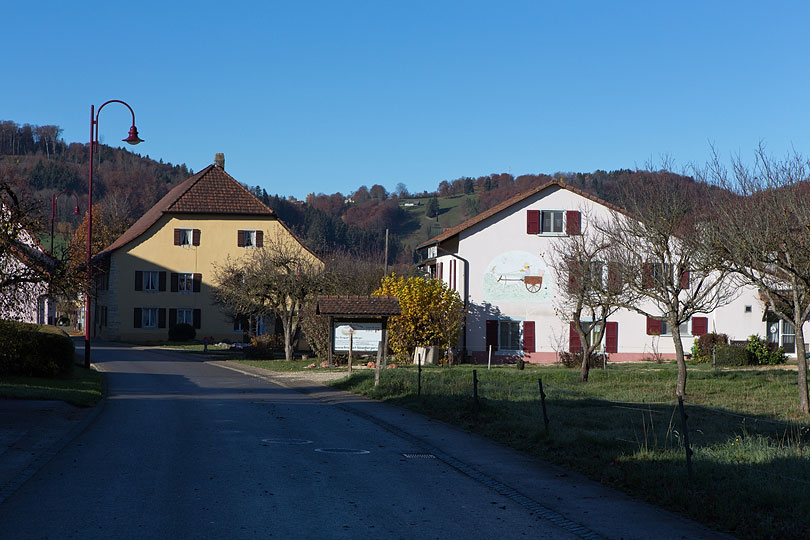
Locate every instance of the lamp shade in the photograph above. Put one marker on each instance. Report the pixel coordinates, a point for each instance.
(133, 136)
(76, 210)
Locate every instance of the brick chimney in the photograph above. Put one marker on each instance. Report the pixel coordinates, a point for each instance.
(219, 160)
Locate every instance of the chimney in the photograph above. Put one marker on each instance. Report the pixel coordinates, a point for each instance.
(219, 160)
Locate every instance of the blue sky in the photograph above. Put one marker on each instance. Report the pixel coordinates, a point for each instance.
(327, 96)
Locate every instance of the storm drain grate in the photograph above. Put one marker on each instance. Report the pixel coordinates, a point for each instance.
(419, 456)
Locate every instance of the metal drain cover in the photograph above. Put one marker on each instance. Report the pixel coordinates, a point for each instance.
(287, 441)
(419, 456)
(341, 451)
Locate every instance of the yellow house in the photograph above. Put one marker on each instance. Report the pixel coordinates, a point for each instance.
(161, 270)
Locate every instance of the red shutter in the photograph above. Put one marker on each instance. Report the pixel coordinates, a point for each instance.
(138, 318)
(700, 326)
(684, 279)
(197, 315)
(492, 335)
(572, 222)
(528, 336)
(614, 278)
(162, 281)
(647, 275)
(195, 237)
(177, 237)
(240, 238)
(653, 327)
(174, 282)
(138, 280)
(611, 337)
(532, 221)
(574, 343)
(574, 275)
(259, 238)
(172, 317)
(197, 282)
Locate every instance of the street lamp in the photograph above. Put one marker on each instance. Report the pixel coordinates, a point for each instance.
(54, 200)
(132, 138)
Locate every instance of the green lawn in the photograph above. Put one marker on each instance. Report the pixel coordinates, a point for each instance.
(751, 465)
(82, 388)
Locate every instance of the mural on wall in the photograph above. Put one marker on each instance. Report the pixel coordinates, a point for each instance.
(517, 276)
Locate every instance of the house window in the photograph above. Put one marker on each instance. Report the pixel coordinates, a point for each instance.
(185, 237)
(185, 282)
(150, 281)
(509, 335)
(149, 318)
(666, 329)
(788, 337)
(552, 221)
(591, 331)
(250, 239)
(185, 315)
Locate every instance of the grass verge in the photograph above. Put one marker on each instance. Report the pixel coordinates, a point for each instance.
(83, 387)
(751, 462)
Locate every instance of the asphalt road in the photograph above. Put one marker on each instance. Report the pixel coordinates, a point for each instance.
(184, 449)
(188, 449)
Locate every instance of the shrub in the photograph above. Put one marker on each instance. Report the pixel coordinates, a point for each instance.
(731, 355)
(263, 347)
(702, 349)
(764, 353)
(31, 350)
(574, 360)
(182, 332)
(520, 364)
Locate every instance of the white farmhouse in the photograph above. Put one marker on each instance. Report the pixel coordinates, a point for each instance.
(497, 261)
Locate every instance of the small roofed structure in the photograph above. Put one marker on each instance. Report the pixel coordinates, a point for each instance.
(364, 316)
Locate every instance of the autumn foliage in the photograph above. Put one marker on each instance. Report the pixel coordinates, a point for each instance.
(432, 313)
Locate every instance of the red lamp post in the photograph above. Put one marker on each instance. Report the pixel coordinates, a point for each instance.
(54, 200)
(132, 138)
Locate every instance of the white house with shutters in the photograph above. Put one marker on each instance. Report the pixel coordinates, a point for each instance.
(497, 261)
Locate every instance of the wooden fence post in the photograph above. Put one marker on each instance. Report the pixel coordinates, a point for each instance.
(543, 402)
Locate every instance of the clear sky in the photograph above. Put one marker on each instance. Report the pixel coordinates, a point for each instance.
(327, 96)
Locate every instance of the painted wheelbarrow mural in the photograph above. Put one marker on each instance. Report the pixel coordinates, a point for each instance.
(517, 276)
(533, 283)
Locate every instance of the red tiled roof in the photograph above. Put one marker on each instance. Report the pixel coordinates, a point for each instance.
(449, 233)
(210, 191)
(372, 306)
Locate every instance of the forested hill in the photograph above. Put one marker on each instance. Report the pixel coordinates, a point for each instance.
(38, 162)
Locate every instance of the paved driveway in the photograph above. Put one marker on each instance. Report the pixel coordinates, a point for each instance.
(189, 449)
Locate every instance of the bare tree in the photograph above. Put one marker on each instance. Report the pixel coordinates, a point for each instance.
(663, 248)
(591, 286)
(277, 279)
(763, 229)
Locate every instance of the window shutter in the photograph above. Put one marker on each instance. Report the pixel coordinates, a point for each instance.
(574, 274)
(195, 237)
(611, 337)
(197, 318)
(161, 281)
(197, 282)
(492, 335)
(138, 318)
(572, 222)
(138, 280)
(240, 238)
(647, 275)
(532, 221)
(161, 317)
(259, 238)
(528, 336)
(614, 279)
(441, 270)
(177, 237)
(653, 327)
(574, 343)
(684, 279)
(172, 317)
(700, 326)
(174, 282)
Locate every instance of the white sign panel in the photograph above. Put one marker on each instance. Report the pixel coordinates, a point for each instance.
(365, 336)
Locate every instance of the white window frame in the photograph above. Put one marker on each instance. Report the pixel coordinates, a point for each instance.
(154, 277)
(185, 315)
(186, 237)
(591, 329)
(149, 317)
(187, 281)
(249, 238)
(502, 346)
(686, 328)
(552, 214)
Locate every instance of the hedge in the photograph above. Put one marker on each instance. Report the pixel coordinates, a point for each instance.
(32, 350)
